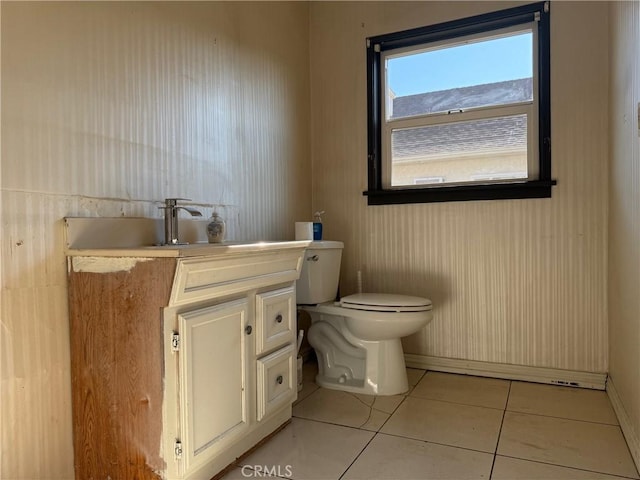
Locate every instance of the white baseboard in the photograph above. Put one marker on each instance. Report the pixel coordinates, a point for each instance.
(571, 378)
(630, 434)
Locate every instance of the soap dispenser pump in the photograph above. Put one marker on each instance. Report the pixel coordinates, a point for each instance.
(317, 225)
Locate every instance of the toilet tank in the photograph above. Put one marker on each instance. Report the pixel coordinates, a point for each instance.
(320, 273)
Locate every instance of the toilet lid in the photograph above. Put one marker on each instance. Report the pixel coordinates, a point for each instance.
(385, 302)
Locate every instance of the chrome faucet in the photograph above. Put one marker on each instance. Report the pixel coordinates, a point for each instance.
(171, 208)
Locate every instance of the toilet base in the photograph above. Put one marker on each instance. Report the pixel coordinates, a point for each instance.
(399, 386)
(346, 385)
(353, 365)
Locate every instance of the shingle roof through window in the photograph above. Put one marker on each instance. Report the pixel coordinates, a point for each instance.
(494, 134)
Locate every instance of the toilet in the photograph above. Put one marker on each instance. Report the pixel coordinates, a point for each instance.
(356, 339)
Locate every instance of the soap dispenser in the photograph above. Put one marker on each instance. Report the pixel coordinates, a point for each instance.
(317, 225)
(216, 229)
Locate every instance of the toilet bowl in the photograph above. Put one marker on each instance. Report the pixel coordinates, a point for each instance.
(357, 339)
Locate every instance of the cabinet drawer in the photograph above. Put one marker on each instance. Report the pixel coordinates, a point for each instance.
(276, 381)
(275, 319)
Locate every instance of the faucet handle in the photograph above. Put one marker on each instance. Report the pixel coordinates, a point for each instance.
(172, 202)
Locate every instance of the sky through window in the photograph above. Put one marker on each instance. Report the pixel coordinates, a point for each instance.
(489, 61)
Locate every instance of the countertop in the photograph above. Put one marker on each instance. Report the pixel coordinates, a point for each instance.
(190, 250)
(141, 237)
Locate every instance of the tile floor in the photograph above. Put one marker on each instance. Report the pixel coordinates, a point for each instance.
(446, 427)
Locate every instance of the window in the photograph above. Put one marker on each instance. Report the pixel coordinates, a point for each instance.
(460, 110)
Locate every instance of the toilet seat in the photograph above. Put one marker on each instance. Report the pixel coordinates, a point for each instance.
(385, 302)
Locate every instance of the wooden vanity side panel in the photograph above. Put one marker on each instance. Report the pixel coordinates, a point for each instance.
(117, 369)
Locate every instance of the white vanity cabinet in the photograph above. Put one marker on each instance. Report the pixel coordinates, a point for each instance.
(180, 364)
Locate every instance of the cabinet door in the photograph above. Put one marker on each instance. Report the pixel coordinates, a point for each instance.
(214, 376)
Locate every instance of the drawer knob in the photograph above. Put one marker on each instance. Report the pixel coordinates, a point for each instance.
(279, 379)
(248, 329)
(279, 318)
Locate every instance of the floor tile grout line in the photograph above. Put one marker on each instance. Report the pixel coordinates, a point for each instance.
(455, 403)
(435, 443)
(506, 409)
(378, 433)
(298, 402)
(411, 394)
(335, 424)
(566, 466)
(564, 418)
(637, 467)
(375, 434)
(504, 413)
(471, 450)
(360, 427)
(412, 387)
(404, 398)
(370, 407)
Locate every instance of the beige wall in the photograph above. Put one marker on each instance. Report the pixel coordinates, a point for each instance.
(514, 281)
(624, 213)
(108, 108)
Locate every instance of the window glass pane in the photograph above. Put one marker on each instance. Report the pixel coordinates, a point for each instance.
(490, 72)
(493, 149)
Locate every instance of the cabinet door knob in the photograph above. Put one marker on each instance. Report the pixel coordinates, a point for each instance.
(248, 329)
(279, 318)
(279, 379)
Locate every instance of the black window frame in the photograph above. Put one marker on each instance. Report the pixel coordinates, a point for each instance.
(541, 188)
